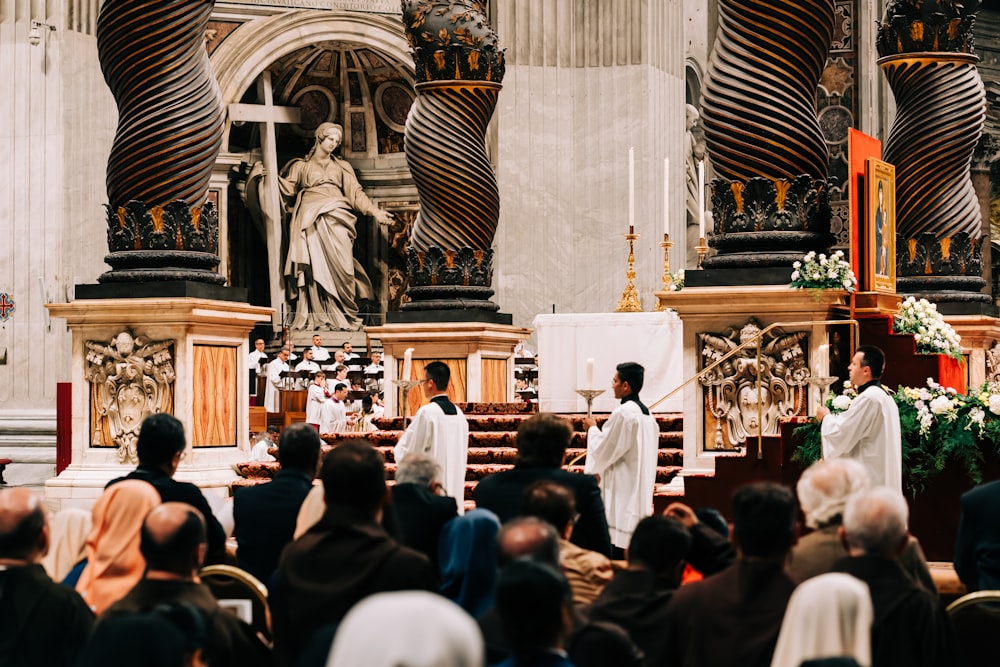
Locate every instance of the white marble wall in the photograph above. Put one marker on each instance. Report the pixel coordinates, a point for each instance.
(56, 125)
(585, 81)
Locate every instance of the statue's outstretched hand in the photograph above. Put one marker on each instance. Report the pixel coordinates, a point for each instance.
(383, 217)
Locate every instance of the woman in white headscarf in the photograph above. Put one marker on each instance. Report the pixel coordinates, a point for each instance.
(829, 616)
(68, 530)
(407, 629)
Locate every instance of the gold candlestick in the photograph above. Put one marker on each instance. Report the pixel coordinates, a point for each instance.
(668, 280)
(702, 249)
(629, 303)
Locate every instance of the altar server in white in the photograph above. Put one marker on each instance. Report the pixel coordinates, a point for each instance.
(440, 431)
(333, 414)
(315, 399)
(272, 397)
(624, 455)
(869, 430)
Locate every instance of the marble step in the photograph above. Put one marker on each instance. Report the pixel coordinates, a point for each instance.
(672, 439)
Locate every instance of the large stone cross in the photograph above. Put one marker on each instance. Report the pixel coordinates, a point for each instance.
(269, 115)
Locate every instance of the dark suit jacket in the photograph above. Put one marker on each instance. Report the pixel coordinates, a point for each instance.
(977, 547)
(421, 515)
(265, 520)
(42, 623)
(637, 600)
(501, 494)
(729, 619)
(171, 491)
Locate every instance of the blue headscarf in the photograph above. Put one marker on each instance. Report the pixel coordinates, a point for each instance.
(467, 552)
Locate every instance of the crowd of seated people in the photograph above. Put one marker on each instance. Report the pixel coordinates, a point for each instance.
(358, 573)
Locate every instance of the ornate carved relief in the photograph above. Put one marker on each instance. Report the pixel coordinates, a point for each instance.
(130, 378)
(735, 410)
(993, 363)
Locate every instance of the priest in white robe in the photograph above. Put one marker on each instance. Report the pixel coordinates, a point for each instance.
(320, 354)
(278, 365)
(257, 358)
(333, 413)
(869, 430)
(624, 454)
(440, 431)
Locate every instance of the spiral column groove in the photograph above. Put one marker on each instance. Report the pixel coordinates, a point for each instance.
(770, 200)
(153, 56)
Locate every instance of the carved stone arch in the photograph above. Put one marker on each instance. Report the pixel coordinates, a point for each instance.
(252, 47)
(692, 82)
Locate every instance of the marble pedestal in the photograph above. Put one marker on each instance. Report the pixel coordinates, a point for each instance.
(210, 390)
(480, 355)
(717, 309)
(981, 342)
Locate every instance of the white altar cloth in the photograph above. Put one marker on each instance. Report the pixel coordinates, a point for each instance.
(566, 341)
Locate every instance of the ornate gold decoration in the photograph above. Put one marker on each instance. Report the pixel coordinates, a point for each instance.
(629, 303)
(742, 408)
(130, 378)
(667, 279)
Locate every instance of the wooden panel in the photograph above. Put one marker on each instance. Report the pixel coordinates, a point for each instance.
(494, 374)
(258, 419)
(214, 394)
(456, 390)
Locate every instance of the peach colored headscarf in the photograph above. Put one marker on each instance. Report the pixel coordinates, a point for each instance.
(114, 563)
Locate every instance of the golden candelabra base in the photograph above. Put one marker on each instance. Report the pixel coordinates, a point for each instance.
(629, 303)
(406, 386)
(668, 281)
(702, 249)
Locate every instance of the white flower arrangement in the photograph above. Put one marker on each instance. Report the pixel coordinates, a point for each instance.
(822, 272)
(932, 334)
(676, 283)
(842, 402)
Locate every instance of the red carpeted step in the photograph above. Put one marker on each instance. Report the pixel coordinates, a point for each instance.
(668, 423)
(492, 439)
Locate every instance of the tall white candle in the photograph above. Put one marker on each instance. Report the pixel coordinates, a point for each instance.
(631, 189)
(407, 363)
(590, 373)
(666, 195)
(701, 199)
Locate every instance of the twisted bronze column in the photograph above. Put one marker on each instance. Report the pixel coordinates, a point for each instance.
(153, 56)
(459, 68)
(770, 199)
(927, 57)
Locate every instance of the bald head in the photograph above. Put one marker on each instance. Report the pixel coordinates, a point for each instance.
(527, 538)
(23, 534)
(173, 539)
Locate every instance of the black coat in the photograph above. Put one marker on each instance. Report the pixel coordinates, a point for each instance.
(977, 547)
(265, 520)
(501, 494)
(421, 515)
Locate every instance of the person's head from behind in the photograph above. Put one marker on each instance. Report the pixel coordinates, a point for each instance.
(542, 441)
(763, 521)
(173, 539)
(659, 544)
(298, 448)
(367, 403)
(353, 475)
(23, 528)
(161, 442)
(421, 470)
(533, 601)
(173, 634)
(552, 503)
(628, 380)
(875, 523)
(599, 644)
(826, 485)
(437, 375)
(528, 537)
(866, 365)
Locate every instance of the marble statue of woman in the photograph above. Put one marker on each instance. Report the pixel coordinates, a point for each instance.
(695, 153)
(323, 281)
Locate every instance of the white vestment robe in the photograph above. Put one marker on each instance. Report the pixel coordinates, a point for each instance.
(320, 353)
(332, 416)
(272, 399)
(445, 438)
(255, 359)
(868, 432)
(315, 399)
(624, 455)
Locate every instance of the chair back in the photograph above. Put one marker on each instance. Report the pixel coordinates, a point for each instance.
(976, 620)
(240, 592)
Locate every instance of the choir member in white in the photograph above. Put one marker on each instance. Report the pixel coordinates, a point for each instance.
(624, 454)
(333, 414)
(869, 430)
(315, 399)
(320, 353)
(257, 358)
(278, 365)
(440, 431)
